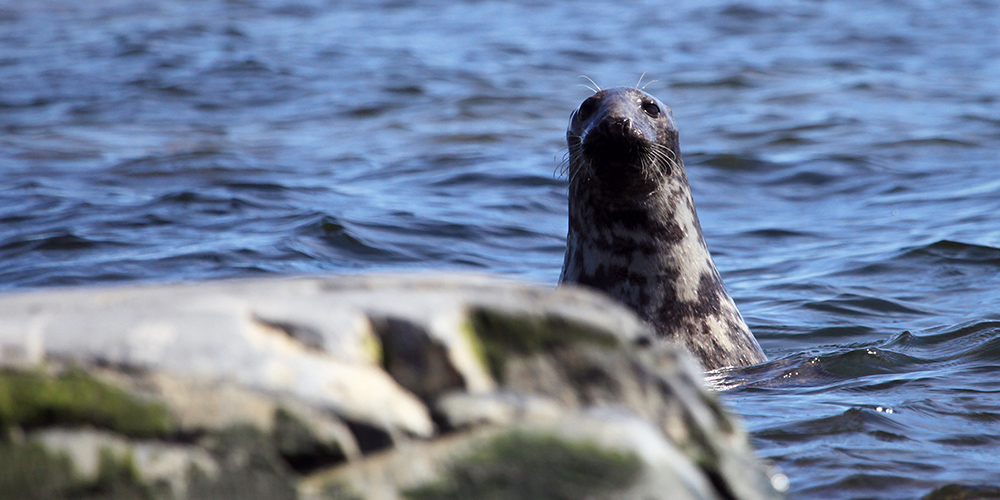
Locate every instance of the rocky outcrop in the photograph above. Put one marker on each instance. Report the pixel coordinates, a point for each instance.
(379, 387)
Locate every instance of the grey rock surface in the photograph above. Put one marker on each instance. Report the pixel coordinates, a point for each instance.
(379, 387)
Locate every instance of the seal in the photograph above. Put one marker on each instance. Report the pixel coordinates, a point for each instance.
(634, 233)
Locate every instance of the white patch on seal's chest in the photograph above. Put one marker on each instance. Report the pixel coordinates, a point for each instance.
(690, 256)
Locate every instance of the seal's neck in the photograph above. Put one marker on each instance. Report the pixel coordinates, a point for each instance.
(649, 253)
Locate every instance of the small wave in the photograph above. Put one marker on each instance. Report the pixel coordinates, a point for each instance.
(369, 110)
(489, 180)
(263, 187)
(244, 66)
(326, 238)
(930, 141)
(779, 233)
(867, 420)
(296, 10)
(870, 484)
(840, 366)
(746, 12)
(333, 231)
(733, 162)
(901, 353)
(951, 252)
(962, 336)
(858, 305)
(963, 491)
(161, 86)
(201, 162)
(868, 361)
(988, 350)
(992, 120)
(805, 178)
(61, 240)
(582, 56)
(56, 154)
(729, 82)
(407, 90)
(467, 138)
(789, 139)
(969, 440)
(215, 204)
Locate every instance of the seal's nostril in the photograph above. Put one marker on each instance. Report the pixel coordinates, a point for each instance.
(617, 125)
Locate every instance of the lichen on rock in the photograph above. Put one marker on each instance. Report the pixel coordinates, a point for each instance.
(524, 466)
(501, 333)
(75, 398)
(32, 470)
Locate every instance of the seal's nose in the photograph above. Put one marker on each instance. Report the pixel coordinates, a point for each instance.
(616, 125)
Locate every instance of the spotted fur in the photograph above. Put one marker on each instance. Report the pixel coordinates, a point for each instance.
(634, 232)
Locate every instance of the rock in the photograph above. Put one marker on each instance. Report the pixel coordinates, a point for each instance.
(377, 387)
(90, 450)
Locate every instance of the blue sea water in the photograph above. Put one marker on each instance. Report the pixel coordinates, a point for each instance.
(843, 155)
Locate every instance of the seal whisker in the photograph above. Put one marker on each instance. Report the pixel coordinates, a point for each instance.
(666, 155)
(562, 169)
(637, 85)
(596, 88)
(655, 175)
(652, 169)
(565, 167)
(574, 168)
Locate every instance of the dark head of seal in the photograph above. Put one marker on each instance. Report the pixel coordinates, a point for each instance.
(633, 230)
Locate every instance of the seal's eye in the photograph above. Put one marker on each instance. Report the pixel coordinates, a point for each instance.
(587, 108)
(651, 109)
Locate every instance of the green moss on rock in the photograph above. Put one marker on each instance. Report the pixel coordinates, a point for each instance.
(28, 470)
(250, 467)
(339, 491)
(520, 466)
(33, 399)
(501, 333)
(372, 346)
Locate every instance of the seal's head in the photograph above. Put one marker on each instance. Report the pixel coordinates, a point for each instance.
(625, 140)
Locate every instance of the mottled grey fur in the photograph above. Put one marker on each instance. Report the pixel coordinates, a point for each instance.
(634, 232)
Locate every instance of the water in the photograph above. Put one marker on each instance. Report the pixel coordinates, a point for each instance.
(843, 157)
